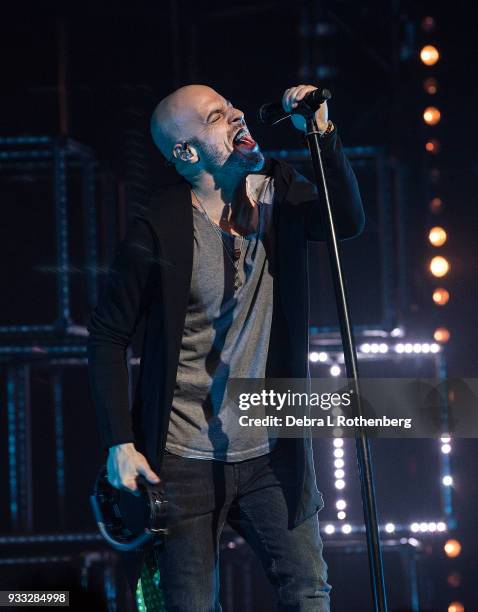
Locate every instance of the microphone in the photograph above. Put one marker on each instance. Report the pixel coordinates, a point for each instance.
(273, 112)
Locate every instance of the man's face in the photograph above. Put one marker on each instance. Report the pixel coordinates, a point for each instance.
(219, 134)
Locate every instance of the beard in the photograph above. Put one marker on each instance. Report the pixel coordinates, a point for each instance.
(216, 160)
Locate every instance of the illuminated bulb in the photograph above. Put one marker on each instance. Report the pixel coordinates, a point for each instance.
(338, 443)
(323, 357)
(383, 348)
(439, 266)
(452, 548)
(456, 606)
(429, 55)
(335, 370)
(431, 115)
(329, 529)
(417, 348)
(430, 86)
(340, 484)
(437, 236)
(436, 205)
(389, 527)
(415, 527)
(346, 528)
(399, 348)
(445, 439)
(441, 296)
(432, 146)
(432, 527)
(341, 515)
(434, 348)
(339, 463)
(441, 526)
(441, 334)
(447, 481)
(408, 347)
(339, 474)
(446, 449)
(365, 348)
(341, 504)
(425, 348)
(314, 357)
(423, 527)
(339, 453)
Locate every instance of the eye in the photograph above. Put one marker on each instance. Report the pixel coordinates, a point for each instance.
(215, 117)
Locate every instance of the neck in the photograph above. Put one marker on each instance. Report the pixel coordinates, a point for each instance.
(217, 190)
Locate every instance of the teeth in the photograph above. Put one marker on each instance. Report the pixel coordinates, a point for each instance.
(240, 134)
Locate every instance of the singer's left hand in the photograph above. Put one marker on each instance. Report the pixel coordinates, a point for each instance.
(290, 99)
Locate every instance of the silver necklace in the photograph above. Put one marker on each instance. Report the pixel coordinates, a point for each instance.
(237, 252)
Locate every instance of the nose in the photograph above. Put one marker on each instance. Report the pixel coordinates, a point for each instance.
(236, 116)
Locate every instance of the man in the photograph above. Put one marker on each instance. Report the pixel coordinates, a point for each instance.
(218, 267)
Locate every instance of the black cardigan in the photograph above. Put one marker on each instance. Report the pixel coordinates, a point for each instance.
(150, 277)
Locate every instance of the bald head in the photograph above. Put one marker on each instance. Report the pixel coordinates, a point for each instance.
(174, 118)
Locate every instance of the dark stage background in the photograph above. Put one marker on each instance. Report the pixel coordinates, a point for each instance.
(94, 74)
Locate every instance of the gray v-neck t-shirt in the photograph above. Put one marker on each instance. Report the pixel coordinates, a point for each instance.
(226, 335)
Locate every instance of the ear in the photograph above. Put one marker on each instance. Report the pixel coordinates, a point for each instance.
(185, 152)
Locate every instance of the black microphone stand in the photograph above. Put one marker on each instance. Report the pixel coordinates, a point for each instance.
(364, 458)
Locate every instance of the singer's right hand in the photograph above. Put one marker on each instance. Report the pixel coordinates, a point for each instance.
(124, 464)
(293, 96)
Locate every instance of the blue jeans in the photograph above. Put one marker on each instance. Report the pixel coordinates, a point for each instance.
(251, 496)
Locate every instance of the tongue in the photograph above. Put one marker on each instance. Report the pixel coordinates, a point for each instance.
(246, 143)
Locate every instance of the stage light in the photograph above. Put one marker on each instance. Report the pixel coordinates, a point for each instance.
(446, 449)
(441, 296)
(441, 526)
(454, 579)
(430, 86)
(428, 24)
(383, 348)
(330, 529)
(432, 527)
(408, 347)
(341, 515)
(346, 528)
(435, 348)
(340, 484)
(415, 527)
(439, 266)
(399, 348)
(417, 348)
(431, 115)
(452, 548)
(339, 463)
(339, 474)
(432, 146)
(338, 453)
(437, 236)
(447, 481)
(426, 348)
(389, 527)
(436, 205)
(341, 504)
(323, 357)
(365, 348)
(314, 357)
(456, 606)
(335, 370)
(429, 55)
(441, 334)
(338, 442)
(445, 439)
(423, 527)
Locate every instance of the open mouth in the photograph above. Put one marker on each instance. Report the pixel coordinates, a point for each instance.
(243, 140)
